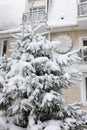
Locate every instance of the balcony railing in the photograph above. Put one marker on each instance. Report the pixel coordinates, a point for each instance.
(35, 16)
(82, 9)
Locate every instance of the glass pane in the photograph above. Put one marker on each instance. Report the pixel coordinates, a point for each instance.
(4, 47)
(85, 51)
(86, 86)
(83, 0)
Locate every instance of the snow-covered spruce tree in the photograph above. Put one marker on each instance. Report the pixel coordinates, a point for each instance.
(34, 78)
(3, 66)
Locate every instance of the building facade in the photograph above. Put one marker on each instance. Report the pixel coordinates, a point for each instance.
(65, 21)
(60, 20)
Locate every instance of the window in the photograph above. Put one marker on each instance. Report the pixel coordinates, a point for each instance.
(82, 8)
(83, 69)
(84, 90)
(86, 87)
(4, 47)
(39, 14)
(85, 51)
(83, 0)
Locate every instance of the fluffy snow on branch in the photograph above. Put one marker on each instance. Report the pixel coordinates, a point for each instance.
(40, 60)
(49, 97)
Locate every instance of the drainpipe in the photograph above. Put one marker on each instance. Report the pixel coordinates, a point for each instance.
(49, 36)
(32, 22)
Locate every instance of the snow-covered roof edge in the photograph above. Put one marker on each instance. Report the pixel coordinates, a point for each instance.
(9, 31)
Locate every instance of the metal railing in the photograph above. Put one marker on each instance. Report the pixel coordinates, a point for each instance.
(35, 16)
(82, 9)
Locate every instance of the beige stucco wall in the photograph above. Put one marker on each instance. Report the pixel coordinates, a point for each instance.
(72, 94)
(10, 40)
(75, 35)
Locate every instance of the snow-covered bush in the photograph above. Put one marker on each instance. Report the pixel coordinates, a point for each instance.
(34, 78)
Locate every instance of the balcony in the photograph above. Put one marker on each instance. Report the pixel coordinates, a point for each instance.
(35, 16)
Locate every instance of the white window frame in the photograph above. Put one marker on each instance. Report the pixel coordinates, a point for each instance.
(81, 39)
(83, 90)
(3, 46)
(84, 71)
